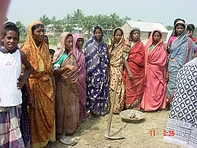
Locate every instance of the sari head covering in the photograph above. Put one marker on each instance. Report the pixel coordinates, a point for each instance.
(60, 46)
(150, 40)
(181, 50)
(155, 74)
(127, 45)
(96, 67)
(158, 46)
(76, 52)
(92, 39)
(42, 117)
(31, 49)
(113, 39)
(80, 58)
(90, 51)
(115, 52)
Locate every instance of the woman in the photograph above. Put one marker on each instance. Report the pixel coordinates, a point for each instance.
(182, 124)
(78, 41)
(115, 49)
(97, 73)
(154, 96)
(181, 50)
(133, 75)
(42, 117)
(67, 93)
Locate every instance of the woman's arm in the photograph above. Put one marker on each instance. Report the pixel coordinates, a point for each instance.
(59, 72)
(128, 70)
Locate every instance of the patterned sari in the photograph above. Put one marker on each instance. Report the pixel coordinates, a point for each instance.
(80, 57)
(180, 52)
(116, 67)
(42, 117)
(97, 75)
(182, 123)
(67, 93)
(154, 96)
(136, 61)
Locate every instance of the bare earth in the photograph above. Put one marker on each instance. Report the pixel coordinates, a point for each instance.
(137, 135)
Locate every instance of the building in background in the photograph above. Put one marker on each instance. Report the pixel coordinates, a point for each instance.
(145, 27)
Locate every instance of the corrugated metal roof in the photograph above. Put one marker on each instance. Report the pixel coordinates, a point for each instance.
(147, 26)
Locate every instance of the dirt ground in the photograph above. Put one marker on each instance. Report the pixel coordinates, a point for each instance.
(90, 133)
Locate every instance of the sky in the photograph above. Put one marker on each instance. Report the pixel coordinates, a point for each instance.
(163, 11)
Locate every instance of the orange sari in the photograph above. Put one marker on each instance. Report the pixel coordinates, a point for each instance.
(42, 117)
(134, 88)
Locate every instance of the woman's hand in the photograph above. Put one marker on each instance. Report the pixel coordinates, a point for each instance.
(30, 100)
(70, 67)
(167, 76)
(130, 76)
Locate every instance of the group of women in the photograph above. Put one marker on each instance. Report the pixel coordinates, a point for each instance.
(78, 82)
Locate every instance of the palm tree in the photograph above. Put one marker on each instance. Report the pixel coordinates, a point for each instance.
(77, 16)
(45, 20)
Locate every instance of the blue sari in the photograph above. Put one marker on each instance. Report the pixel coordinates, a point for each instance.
(181, 51)
(97, 76)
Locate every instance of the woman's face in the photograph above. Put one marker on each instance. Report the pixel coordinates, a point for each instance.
(179, 30)
(98, 34)
(38, 34)
(79, 43)
(135, 36)
(156, 37)
(68, 43)
(118, 35)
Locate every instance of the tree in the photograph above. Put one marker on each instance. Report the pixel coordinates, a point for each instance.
(77, 16)
(20, 26)
(45, 20)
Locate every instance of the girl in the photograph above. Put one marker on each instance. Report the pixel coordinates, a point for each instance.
(181, 50)
(97, 73)
(116, 67)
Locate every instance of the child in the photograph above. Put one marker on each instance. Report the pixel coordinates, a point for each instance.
(11, 83)
(51, 51)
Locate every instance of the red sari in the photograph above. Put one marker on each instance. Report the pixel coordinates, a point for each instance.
(134, 88)
(154, 96)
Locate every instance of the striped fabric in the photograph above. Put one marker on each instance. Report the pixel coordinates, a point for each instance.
(10, 134)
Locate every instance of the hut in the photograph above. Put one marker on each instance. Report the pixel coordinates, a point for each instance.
(145, 27)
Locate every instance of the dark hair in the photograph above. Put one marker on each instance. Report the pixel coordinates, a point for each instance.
(190, 27)
(158, 32)
(97, 27)
(69, 35)
(51, 51)
(46, 36)
(118, 29)
(36, 26)
(131, 33)
(9, 26)
(178, 19)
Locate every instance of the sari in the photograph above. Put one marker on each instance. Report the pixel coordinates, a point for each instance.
(136, 61)
(42, 117)
(67, 92)
(97, 76)
(181, 126)
(116, 67)
(181, 50)
(154, 96)
(80, 58)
